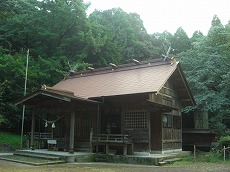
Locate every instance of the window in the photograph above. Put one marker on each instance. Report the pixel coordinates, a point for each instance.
(177, 122)
(135, 119)
(167, 121)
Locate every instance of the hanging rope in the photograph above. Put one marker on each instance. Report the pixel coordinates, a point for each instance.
(51, 122)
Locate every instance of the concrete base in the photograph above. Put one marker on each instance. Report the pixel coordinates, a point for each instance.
(166, 151)
(144, 158)
(70, 159)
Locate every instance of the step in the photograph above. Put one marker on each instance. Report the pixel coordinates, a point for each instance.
(162, 163)
(46, 153)
(34, 163)
(169, 161)
(172, 160)
(37, 156)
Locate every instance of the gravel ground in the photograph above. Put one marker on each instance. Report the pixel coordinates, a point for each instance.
(6, 166)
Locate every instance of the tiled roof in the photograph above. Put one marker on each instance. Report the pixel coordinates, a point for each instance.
(121, 80)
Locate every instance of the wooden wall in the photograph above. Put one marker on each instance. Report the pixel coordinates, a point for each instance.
(156, 131)
(171, 134)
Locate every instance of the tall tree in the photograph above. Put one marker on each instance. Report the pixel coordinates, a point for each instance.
(181, 41)
(206, 67)
(48, 28)
(118, 37)
(12, 76)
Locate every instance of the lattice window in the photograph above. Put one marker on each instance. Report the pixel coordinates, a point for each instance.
(135, 119)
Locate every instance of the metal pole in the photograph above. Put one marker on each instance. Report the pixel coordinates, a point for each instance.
(23, 109)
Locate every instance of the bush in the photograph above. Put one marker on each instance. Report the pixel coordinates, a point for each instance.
(9, 141)
(213, 156)
(224, 140)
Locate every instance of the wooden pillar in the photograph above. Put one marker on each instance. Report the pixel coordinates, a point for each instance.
(125, 149)
(98, 127)
(32, 129)
(107, 148)
(72, 125)
(91, 140)
(150, 134)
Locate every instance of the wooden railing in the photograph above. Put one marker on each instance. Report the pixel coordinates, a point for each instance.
(113, 138)
(107, 140)
(42, 136)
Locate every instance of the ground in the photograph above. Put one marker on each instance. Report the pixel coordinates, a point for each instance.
(6, 166)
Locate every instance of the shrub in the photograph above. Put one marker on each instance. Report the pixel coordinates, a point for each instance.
(224, 140)
(212, 156)
(9, 141)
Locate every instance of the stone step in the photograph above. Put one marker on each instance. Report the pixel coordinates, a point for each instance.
(46, 153)
(162, 163)
(49, 157)
(172, 160)
(169, 161)
(33, 163)
(82, 149)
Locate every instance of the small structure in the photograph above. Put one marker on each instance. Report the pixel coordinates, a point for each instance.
(128, 108)
(196, 131)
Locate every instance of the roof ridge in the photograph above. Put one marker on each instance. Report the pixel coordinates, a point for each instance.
(118, 68)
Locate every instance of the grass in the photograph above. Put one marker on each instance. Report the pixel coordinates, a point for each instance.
(211, 158)
(9, 140)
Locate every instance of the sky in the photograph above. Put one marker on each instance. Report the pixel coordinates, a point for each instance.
(161, 15)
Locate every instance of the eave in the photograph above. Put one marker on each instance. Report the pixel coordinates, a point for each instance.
(42, 94)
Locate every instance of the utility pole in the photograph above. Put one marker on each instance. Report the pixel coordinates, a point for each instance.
(23, 108)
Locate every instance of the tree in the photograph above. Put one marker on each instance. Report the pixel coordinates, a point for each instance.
(206, 66)
(181, 41)
(196, 36)
(49, 28)
(12, 76)
(55, 32)
(118, 37)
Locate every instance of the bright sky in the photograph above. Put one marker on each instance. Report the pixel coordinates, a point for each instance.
(161, 15)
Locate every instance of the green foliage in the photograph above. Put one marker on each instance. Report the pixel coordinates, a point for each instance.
(10, 139)
(213, 156)
(206, 66)
(48, 28)
(224, 140)
(12, 78)
(118, 37)
(181, 41)
(1, 119)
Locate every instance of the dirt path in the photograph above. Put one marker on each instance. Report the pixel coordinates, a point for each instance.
(7, 166)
